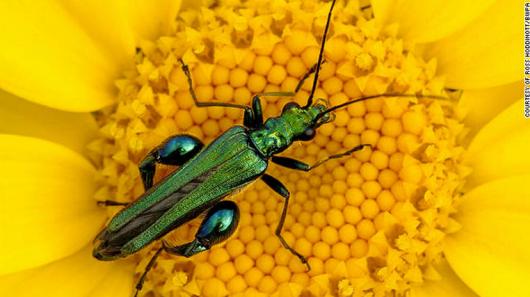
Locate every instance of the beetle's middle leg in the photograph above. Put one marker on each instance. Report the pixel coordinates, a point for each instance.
(279, 188)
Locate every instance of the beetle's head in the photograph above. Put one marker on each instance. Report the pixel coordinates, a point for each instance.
(308, 119)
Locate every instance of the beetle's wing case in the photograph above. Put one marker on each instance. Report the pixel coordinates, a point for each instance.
(226, 165)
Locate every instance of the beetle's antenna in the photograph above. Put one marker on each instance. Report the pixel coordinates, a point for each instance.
(320, 56)
(365, 98)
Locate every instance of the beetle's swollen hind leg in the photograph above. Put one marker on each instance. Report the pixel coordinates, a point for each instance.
(175, 150)
(220, 222)
(141, 280)
(279, 188)
(299, 165)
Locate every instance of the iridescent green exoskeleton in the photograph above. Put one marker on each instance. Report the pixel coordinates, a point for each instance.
(207, 174)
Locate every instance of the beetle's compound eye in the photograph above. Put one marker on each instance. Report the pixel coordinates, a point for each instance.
(290, 105)
(220, 222)
(308, 134)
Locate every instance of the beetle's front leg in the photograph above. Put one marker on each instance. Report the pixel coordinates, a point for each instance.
(220, 222)
(175, 150)
(299, 165)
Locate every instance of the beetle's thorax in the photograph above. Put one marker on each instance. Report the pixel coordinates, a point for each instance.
(278, 133)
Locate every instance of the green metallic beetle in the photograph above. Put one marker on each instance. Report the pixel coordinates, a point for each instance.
(208, 174)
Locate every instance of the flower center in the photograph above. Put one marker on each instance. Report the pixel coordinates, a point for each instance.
(370, 223)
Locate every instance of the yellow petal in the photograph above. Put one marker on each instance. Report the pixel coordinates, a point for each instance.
(150, 19)
(48, 211)
(426, 21)
(482, 105)
(490, 252)
(107, 23)
(18, 116)
(449, 285)
(76, 275)
(67, 54)
(501, 148)
(192, 4)
(48, 57)
(121, 24)
(485, 53)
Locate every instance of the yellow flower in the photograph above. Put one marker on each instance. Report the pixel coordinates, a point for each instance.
(380, 222)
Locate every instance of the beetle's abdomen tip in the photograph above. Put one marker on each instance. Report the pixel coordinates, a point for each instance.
(96, 254)
(105, 252)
